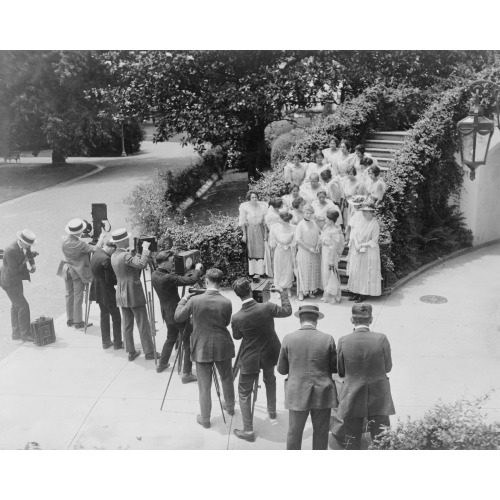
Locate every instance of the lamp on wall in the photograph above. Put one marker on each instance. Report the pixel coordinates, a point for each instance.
(476, 130)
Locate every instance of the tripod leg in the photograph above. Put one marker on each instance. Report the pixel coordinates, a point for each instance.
(236, 366)
(217, 390)
(169, 379)
(180, 350)
(152, 325)
(87, 306)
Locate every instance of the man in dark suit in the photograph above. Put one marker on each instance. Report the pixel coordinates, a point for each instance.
(259, 349)
(309, 358)
(166, 283)
(130, 294)
(364, 359)
(13, 272)
(210, 341)
(102, 291)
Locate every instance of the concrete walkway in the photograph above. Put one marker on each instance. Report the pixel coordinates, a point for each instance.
(74, 395)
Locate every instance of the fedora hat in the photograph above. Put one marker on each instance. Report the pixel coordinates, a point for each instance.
(75, 226)
(26, 236)
(119, 235)
(309, 309)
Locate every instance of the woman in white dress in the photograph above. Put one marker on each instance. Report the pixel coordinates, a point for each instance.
(282, 241)
(345, 159)
(321, 206)
(293, 194)
(331, 155)
(375, 185)
(295, 171)
(307, 237)
(350, 188)
(365, 276)
(297, 210)
(272, 217)
(251, 219)
(332, 246)
(318, 167)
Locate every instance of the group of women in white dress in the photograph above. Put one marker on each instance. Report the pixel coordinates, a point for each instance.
(330, 203)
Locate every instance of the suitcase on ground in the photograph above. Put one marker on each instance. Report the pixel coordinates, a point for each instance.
(42, 330)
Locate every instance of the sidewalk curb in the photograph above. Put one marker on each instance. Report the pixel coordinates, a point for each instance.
(441, 260)
(99, 168)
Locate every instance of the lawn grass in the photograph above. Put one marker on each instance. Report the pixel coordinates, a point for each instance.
(17, 180)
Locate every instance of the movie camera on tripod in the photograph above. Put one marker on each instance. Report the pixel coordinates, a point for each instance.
(99, 217)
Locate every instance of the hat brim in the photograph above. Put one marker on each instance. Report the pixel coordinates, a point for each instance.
(20, 237)
(319, 314)
(366, 209)
(120, 239)
(69, 231)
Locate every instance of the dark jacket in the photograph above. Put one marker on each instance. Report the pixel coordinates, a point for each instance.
(254, 324)
(14, 269)
(210, 340)
(102, 289)
(165, 284)
(364, 358)
(309, 358)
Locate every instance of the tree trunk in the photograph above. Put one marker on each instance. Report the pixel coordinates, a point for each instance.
(58, 156)
(256, 153)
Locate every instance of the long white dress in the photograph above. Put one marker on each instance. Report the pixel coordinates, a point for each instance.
(321, 210)
(294, 174)
(270, 219)
(364, 267)
(331, 158)
(282, 240)
(314, 168)
(345, 162)
(308, 264)
(253, 215)
(349, 189)
(332, 246)
(287, 201)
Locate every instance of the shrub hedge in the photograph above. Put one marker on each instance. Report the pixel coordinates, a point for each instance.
(447, 426)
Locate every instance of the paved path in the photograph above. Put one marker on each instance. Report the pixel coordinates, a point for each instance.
(74, 395)
(47, 212)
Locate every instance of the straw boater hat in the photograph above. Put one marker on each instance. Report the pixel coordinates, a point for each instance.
(309, 309)
(357, 200)
(75, 226)
(119, 235)
(26, 236)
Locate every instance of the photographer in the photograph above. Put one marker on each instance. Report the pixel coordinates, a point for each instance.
(260, 349)
(165, 283)
(210, 341)
(13, 272)
(130, 294)
(75, 270)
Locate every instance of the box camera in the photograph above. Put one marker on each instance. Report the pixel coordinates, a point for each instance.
(186, 261)
(153, 247)
(261, 291)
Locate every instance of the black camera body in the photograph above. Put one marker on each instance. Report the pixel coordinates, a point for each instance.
(153, 247)
(185, 262)
(261, 291)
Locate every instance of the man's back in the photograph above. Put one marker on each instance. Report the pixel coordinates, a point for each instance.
(254, 323)
(13, 269)
(309, 358)
(77, 255)
(129, 290)
(103, 278)
(364, 359)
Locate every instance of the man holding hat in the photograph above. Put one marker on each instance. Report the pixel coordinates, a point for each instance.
(130, 294)
(75, 270)
(309, 358)
(364, 359)
(166, 283)
(12, 274)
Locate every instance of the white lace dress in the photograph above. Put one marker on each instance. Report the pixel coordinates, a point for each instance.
(282, 241)
(332, 246)
(308, 264)
(270, 219)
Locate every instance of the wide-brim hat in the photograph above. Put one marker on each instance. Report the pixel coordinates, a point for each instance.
(367, 207)
(357, 200)
(309, 309)
(26, 236)
(75, 226)
(119, 235)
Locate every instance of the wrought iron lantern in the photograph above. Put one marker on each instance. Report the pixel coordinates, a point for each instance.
(476, 130)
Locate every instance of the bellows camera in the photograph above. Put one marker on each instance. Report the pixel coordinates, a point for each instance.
(153, 247)
(186, 261)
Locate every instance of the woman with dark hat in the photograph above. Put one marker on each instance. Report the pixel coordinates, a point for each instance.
(365, 276)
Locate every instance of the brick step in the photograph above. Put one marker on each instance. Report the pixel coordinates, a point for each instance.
(391, 135)
(381, 153)
(381, 144)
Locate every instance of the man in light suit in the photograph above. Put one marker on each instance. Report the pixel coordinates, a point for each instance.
(309, 358)
(12, 274)
(364, 359)
(102, 291)
(75, 269)
(130, 294)
(210, 341)
(259, 349)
